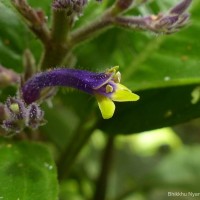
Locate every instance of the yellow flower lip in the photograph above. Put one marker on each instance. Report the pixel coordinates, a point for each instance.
(114, 91)
(106, 106)
(123, 94)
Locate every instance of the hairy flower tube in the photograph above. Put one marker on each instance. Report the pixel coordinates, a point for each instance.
(104, 86)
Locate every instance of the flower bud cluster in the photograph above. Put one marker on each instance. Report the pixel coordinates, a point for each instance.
(70, 6)
(168, 23)
(18, 115)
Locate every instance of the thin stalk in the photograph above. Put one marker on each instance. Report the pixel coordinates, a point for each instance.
(34, 19)
(95, 27)
(69, 155)
(105, 21)
(101, 184)
(61, 25)
(91, 30)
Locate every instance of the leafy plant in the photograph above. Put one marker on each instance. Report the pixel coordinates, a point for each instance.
(77, 44)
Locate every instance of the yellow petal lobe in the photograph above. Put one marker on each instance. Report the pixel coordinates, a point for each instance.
(122, 93)
(106, 106)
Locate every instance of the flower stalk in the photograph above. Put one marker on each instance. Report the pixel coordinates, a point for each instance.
(106, 164)
(72, 150)
(35, 20)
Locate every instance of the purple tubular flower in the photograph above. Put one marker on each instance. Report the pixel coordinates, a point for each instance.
(79, 79)
(104, 86)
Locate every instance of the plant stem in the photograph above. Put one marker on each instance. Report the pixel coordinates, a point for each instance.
(90, 30)
(34, 20)
(61, 25)
(62, 42)
(101, 184)
(79, 139)
(57, 48)
(97, 26)
(53, 55)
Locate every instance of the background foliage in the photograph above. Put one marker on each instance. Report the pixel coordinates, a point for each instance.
(162, 69)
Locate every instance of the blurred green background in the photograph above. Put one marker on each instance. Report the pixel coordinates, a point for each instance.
(153, 152)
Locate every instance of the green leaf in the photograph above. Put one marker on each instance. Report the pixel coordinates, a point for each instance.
(15, 37)
(27, 171)
(11, 43)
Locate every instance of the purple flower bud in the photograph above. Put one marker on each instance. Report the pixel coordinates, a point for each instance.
(34, 116)
(17, 116)
(70, 6)
(15, 113)
(168, 23)
(12, 126)
(181, 7)
(2, 112)
(183, 19)
(123, 5)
